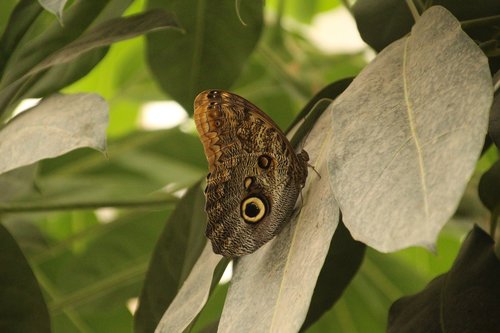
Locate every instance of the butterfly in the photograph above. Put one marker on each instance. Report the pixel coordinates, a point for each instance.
(254, 176)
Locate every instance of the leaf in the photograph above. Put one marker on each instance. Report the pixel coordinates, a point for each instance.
(6, 8)
(17, 182)
(494, 123)
(133, 168)
(466, 299)
(208, 319)
(22, 307)
(341, 264)
(385, 21)
(382, 279)
(55, 126)
(271, 288)
(95, 269)
(103, 35)
(489, 193)
(43, 39)
(214, 47)
(406, 135)
(80, 17)
(20, 20)
(175, 254)
(193, 294)
(331, 91)
(110, 32)
(55, 7)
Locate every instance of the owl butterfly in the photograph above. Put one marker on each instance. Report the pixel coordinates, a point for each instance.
(254, 175)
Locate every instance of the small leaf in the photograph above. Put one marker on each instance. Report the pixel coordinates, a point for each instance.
(406, 134)
(271, 288)
(176, 252)
(341, 264)
(55, 7)
(214, 47)
(193, 295)
(466, 299)
(22, 307)
(55, 126)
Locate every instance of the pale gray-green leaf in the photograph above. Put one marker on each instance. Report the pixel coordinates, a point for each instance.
(55, 126)
(407, 134)
(18, 182)
(271, 289)
(54, 6)
(193, 294)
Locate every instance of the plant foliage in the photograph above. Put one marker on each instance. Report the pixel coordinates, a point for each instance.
(102, 218)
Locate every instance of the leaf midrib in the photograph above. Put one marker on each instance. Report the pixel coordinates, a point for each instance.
(413, 129)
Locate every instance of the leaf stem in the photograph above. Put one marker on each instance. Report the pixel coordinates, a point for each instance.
(131, 274)
(413, 9)
(23, 208)
(479, 22)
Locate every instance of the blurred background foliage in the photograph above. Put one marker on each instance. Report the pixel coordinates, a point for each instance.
(90, 260)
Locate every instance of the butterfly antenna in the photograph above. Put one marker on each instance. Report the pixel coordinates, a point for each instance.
(314, 169)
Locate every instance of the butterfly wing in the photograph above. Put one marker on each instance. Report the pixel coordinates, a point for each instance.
(254, 175)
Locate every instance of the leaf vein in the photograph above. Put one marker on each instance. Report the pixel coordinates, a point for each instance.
(413, 130)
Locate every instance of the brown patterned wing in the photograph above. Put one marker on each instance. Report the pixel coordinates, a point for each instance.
(254, 174)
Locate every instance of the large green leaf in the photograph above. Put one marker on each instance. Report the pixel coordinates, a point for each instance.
(109, 32)
(22, 307)
(79, 17)
(102, 35)
(210, 54)
(466, 299)
(177, 250)
(417, 116)
(19, 22)
(45, 37)
(382, 22)
(382, 279)
(6, 7)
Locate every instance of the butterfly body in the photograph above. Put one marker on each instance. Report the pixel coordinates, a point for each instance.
(254, 175)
